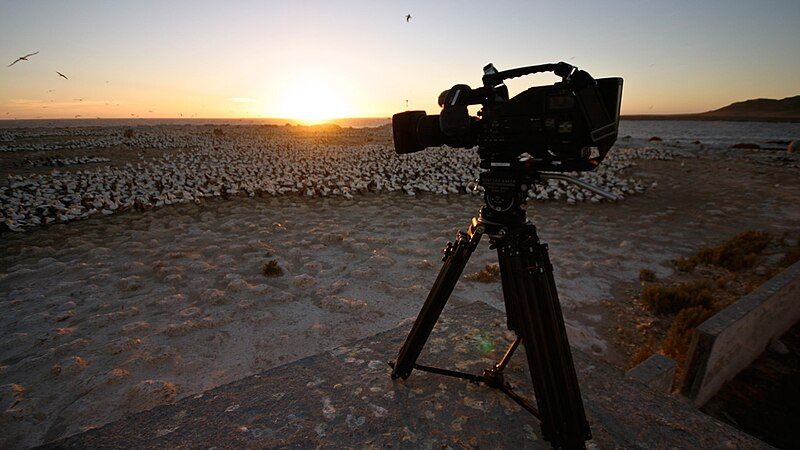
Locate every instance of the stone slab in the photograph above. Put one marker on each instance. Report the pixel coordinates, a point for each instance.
(345, 398)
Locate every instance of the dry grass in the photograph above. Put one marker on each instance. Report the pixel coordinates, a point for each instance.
(738, 253)
(643, 352)
(685, 264)
(489, 274)
(707, 282)
(271, 269)
(679, 335)
(791, 257)
(662, 299)
(647, 276)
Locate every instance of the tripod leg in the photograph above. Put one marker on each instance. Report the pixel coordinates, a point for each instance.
(455, 259)
(535, 315)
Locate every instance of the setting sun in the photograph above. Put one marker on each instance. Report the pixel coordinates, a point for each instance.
(311, 101)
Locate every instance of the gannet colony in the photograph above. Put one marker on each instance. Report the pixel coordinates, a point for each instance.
(191, 163)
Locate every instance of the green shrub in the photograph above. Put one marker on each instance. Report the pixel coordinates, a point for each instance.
(671, 299)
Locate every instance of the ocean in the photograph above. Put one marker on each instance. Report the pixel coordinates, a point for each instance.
(715, 133)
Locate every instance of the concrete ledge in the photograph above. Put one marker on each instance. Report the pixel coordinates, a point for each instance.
(345, 398)
(733, 338)
(656, 372)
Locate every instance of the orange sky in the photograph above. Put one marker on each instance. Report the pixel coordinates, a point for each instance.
(321, 60)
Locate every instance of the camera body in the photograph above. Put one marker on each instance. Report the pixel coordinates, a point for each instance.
(564, 127)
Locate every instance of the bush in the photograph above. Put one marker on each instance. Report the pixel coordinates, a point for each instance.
(647, 350)
(679, 336)
(271, 269)
(790, 258)
(738, 253)
(489, 274)
(672, 299)
(685, 264)
(647, 275)
(746, 145)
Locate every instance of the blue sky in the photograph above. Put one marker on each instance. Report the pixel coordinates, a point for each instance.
(359, 58)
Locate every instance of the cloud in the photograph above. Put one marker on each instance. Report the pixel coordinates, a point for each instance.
(242, 100)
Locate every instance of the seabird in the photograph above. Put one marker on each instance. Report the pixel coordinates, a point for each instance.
(62, 75)
(22, 58)
(408, 17)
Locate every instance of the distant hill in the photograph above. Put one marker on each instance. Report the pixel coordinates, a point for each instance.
(760, 109)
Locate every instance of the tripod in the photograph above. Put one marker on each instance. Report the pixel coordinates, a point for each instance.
(532, 309)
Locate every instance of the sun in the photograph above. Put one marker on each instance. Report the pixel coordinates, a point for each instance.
(311, 101)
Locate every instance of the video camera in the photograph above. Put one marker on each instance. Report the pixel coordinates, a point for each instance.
(568, 126)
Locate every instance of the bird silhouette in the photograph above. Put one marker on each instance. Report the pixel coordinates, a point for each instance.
(22, 58)
(408, 17)
(62, 75)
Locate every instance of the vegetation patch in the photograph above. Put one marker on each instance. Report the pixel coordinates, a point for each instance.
(663, 316)
(271, 269)
(739, 253)
(489, 274)
(679, 336)
(647, 276)
(662, 299)
(790, 258)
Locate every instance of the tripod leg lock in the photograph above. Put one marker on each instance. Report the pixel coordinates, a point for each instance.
(447, 251)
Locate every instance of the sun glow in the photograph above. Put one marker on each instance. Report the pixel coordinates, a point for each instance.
(311, 101)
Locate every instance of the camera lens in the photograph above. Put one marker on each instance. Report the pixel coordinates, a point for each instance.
(414, 131)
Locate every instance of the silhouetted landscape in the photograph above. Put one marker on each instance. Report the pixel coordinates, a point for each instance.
(755, 110)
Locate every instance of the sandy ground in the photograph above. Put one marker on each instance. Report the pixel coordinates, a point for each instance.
(112, 315)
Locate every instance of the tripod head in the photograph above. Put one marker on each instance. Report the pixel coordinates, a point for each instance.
(506, 184)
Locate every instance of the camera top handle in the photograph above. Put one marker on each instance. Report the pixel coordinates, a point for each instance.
(492, 78)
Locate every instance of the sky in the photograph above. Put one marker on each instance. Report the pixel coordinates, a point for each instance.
(317, 60)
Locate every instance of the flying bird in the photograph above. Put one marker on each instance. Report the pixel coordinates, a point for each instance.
(62, 75)
(408, 17)
(22, 58)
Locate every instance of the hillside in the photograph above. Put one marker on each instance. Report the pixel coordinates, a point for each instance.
(760, 109)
